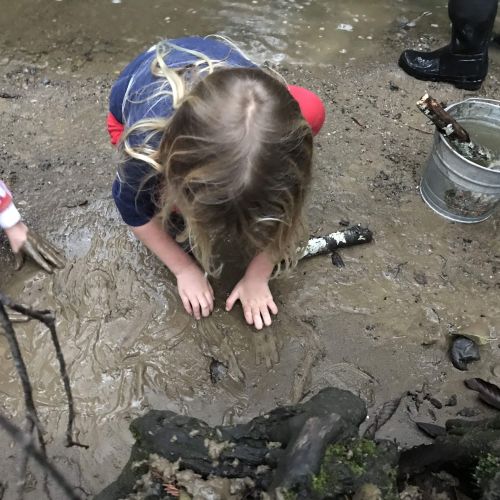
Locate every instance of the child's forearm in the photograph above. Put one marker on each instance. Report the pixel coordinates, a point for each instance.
(9, 216)
(154, 236)
(261, 266)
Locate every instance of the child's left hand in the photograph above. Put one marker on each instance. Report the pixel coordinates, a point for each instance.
(256, 300)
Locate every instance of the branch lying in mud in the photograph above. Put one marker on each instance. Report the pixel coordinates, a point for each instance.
(449, 127)
(19, 436)
(354, 235)
(32, 419)
(48, 319)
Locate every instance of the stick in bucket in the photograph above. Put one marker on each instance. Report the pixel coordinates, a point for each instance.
(453, 131)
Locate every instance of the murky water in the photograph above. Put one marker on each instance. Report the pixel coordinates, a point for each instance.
(307, 31)
(485, 134)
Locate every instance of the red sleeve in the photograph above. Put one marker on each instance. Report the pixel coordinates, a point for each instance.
(311, 106)
(115, 128)
(5, 197)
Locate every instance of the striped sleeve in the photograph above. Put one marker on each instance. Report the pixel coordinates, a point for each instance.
(9, 216)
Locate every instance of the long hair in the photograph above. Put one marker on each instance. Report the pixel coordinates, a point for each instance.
(235, 159)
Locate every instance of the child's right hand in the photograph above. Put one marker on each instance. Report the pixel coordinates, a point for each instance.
(195, 291)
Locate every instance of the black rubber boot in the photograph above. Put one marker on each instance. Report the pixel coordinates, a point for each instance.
(464, 62)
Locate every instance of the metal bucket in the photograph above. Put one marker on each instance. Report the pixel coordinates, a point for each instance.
(455, 187)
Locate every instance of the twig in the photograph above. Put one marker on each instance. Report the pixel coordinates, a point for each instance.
(47, 318)
(5, 95)
(17, 434)
(357, 122)
(31, 413)
(419, 130)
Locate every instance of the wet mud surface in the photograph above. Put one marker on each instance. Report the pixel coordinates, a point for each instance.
(378, 326)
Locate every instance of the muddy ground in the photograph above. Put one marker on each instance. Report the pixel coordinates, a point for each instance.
(378, 327)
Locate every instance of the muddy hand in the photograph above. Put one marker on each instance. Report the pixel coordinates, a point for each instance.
(41, 251)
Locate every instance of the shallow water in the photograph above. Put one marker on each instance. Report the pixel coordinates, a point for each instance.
(487, 135)
(307, 31)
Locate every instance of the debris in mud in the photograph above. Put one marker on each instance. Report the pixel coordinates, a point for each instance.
(344, 27)
(405, 24)
(218, 371)
(463, 351)
(468, 412)
(393, 86)
(337, 260)
(383, 415)
(452, 400)
(431, 430)
(6, 95)
(354, 235)
(488, 392)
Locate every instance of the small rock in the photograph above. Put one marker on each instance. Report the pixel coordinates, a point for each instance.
(463, 351)
(337, 260)
(218, 371)
(368, 491)
(469, 412)
(452, 400)
(420, 278)
(436, 403)
(496, 370)
(393, 86)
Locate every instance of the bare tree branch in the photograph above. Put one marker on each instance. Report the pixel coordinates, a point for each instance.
(48, 319)
(19, 436)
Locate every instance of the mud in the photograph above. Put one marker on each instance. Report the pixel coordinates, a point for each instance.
(379, 326)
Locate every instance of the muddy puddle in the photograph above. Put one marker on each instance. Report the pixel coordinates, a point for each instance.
(307, 32)
(378, 327)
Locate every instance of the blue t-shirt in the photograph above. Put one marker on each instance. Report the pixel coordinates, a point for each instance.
(134, 97)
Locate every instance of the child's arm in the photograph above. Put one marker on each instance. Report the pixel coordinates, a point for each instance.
(22, 240)
(9, 217)
(194, 289)
(253, 292)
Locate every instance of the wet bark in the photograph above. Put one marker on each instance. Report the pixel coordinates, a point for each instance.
(283, 448)
(453, 131)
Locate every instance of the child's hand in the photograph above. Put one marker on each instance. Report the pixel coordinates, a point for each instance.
(25, 242)
(256, 300)
(195, 291)
(18, 235)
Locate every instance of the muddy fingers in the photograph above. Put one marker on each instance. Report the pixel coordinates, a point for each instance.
(41, 251)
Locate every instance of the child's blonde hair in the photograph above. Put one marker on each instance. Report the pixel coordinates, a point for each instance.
(235, 158)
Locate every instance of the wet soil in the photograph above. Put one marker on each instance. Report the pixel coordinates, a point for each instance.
(379, 326)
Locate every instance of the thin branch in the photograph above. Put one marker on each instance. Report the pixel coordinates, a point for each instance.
(18, 435)
(31, 413)
(48, 319)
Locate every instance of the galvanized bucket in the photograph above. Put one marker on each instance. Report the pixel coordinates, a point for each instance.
(455, 187)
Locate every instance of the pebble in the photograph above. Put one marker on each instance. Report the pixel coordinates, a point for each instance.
(468, 412)
(496, 371)
(436, 403)
(452, 401)
(344, 27)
